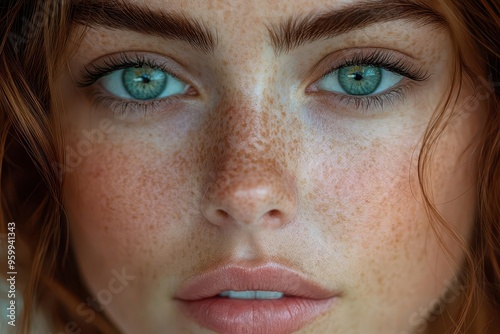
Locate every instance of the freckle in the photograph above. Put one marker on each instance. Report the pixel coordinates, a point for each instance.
(380, 280)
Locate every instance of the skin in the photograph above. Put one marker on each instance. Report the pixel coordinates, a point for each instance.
(304, 179)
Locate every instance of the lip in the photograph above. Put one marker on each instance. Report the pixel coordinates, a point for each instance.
(303, 301)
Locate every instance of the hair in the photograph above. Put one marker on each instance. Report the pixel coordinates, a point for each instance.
(33, 50)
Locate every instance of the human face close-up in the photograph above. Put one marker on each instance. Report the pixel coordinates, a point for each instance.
(245, 158)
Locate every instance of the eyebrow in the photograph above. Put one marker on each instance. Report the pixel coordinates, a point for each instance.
(296, 31)
(117, 14)
(284, 37)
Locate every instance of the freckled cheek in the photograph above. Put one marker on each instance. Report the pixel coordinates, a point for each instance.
(368, 208)
(372, 212)
(367, 187)
(127, 200)
(376, 226)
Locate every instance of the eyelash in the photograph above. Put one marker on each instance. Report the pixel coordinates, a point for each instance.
(384, 61)
(387, 62)
(378, 58)
(119, 106)
(94, 72)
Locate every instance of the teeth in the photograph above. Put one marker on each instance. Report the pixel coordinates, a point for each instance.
(268, 295)
(252, 294)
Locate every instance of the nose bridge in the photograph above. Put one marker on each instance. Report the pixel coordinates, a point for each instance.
(249, 131)
(250, 179)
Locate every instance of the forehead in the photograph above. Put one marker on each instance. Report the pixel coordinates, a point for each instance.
(245, 11)
(256, 7)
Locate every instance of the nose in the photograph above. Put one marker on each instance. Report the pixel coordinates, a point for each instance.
(255, 197)
(250, 184)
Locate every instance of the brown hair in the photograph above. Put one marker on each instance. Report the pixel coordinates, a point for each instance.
(33, 48)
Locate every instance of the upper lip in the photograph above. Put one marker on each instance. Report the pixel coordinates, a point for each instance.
(267, 277)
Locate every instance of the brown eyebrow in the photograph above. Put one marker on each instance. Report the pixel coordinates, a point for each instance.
(296, 31)
(284, 37)
(120, 14)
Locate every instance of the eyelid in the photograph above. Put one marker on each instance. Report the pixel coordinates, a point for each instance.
(91, 74)
(413, 75)
(88, 75)
(338, 59)
(132, 110)
(392, 61)
(373, 104)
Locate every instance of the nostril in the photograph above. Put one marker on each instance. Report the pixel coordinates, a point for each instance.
(274, 214)
(221, 213)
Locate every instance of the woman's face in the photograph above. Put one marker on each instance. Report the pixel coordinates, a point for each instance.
(271, 162)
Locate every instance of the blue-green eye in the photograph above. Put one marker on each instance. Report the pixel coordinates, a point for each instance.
(142, 83)
(359, 80)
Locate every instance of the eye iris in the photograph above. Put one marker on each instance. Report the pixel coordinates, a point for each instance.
(360, 80)
(144, 83)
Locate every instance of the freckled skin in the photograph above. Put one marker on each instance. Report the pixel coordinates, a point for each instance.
(252, 169)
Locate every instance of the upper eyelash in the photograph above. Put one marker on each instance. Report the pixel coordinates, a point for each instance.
(377, 58)
(385, 61)
(94, 72)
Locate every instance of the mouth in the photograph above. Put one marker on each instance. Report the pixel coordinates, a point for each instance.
(266, 299)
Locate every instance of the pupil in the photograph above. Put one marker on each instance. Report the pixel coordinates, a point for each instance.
(358, 76)
(145, 79)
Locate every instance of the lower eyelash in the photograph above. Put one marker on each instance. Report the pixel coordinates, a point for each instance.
(124, 108)
(412, 76)
(370, 102)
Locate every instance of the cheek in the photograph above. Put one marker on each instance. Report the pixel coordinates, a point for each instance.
(369, 201)
(128, 200)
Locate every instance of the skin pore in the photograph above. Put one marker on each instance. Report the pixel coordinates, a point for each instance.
(306, 179)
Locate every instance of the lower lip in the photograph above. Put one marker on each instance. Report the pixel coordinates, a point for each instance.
(276, 316)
